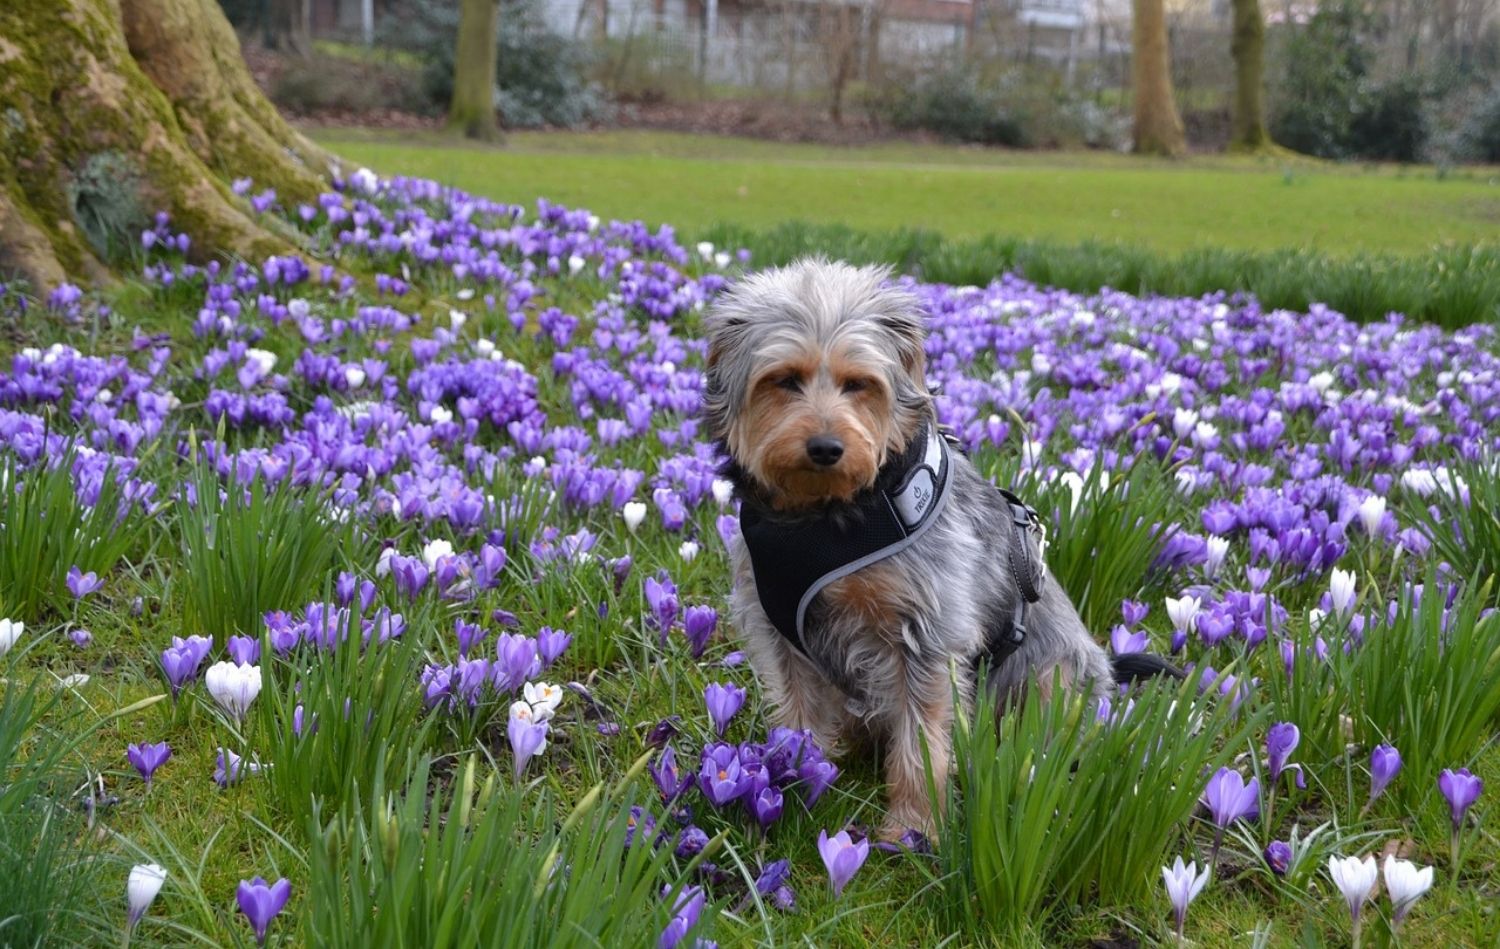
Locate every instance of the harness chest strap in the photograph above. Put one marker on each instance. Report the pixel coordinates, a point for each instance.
(793, 561)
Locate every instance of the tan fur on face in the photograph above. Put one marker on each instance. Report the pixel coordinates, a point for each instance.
(770, 434)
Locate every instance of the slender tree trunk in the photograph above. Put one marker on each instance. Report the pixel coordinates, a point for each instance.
(1248, 46)
(472, 112)
(286, 26)
(1158, 127)
(114, 109)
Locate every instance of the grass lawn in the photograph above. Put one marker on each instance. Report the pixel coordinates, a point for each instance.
(519, 388)
(693, 182)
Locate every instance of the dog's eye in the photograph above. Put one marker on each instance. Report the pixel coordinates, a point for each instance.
(789, 383)
(852, 386)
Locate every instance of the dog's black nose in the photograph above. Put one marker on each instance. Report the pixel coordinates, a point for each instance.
(825, 450)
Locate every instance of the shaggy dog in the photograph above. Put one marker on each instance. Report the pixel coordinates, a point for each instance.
(874, 562)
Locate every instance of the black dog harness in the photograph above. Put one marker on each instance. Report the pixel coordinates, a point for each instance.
(795, 559)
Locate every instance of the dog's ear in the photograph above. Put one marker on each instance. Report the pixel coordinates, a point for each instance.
(724, 326)
(901, 317)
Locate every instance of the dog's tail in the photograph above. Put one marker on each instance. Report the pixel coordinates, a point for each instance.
(1134, 666)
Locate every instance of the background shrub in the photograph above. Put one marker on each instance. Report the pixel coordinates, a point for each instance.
(1478, 137)
(330, 80)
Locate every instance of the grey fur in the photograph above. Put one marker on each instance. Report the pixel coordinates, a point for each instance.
(953, 585)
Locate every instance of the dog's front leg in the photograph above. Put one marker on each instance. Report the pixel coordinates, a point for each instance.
(923, 715)
(798, 695)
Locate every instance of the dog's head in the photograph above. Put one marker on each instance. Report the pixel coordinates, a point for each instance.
(815, 376)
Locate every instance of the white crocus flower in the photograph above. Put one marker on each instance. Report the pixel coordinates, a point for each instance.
(1184, 883)
(263, 358)
(1355, 879)
(1073, 481)
(1183, 421)
(706, 250)
(1405, 884)
(544, 698)
(1323, 381)
(141, 887)
(365, 180)
(234, 687)
(354, 376)
(10, 631)
(1371, 513)
(1218, 549)
(634, 513)
(688, 550)
(1342, 591)
(575, 264)
(1183, 612)
(526, 713)
(440, 415)
(1419, 481)
(435, 550)
(722, 259)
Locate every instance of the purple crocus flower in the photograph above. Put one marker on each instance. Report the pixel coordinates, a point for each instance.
(1385, 764)
(551, 644)
(910, 841)
(670, 779)
(262, 902)
(1122, 641)
(843, 858)
(765, 805)
(698, 624)
(80, 637)
(685, 914)
(663, 732)
(721, 776)
(244, 650)
(147, 758)
(818, 775)
(724, 701)
(81, 584)
(1461, 789)
(772, 882)
(180, 665)
(527, 738)
(1281, 741)
(1228, 798)
(516, 661)
(468, 635)
(690, 842)
(1278, 856)
(661, 597)
(639, 823)
(230, 767)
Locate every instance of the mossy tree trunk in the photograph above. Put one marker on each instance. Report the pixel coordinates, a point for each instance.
(1248, 46)
(472, 111)
(113, 109)
(1158, 127)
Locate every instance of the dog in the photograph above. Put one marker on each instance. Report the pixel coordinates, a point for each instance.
(873, 559)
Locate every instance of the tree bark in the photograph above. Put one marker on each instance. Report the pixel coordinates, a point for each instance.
(1248, 123)
(111, 110)
(472, 111)
(1158, 127)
